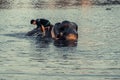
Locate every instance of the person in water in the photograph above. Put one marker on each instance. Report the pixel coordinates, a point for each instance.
(43, 25)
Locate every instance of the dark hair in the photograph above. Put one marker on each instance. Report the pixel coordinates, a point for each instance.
(31, 22)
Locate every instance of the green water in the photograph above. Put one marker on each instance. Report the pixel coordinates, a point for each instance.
(97, 56)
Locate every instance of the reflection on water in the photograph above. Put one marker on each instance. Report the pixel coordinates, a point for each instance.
(17, 35)
(60, 3)
(42, 3)
(52, 3)
(6, 3)
(43, 43)
(55, 3)
(64, 43)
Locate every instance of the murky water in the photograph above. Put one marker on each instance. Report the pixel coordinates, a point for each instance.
(97, 56)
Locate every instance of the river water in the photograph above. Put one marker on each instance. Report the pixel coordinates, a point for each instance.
(96, 57)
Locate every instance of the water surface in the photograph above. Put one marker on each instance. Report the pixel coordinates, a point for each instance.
(95, 58)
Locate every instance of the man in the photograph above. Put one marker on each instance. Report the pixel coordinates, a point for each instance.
(43, 25)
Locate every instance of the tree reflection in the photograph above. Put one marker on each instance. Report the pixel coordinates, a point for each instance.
(55, 3)
(52, 3)
(59, 3)
(38, 3)
(70, 3)
(67, 3)
(5, 4)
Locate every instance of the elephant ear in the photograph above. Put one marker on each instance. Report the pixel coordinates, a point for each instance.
(74, 26)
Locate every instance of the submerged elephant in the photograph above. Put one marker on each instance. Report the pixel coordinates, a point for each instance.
(65, 33)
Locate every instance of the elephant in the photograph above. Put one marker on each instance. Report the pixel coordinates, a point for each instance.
(65, 33)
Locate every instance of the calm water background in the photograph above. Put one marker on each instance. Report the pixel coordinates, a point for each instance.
(97, 56)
